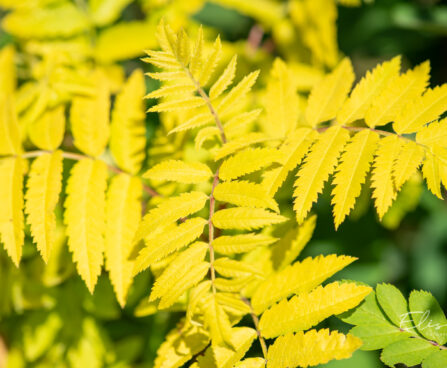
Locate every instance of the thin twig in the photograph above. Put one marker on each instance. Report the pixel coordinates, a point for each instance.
(255, 319)
(78, 157)
(207, 100)
(378, 131)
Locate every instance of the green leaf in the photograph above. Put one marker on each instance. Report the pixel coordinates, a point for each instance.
(378, 335)
(393, 303)
(428, 316)
(409, 352)
(436, 360)
(367, 312)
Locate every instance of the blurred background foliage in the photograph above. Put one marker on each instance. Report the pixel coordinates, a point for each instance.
(47, 316)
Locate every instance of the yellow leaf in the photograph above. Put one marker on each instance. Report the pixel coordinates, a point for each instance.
(239, 143)
(281, 101)
(407, 162)
(245, 218)
(104, 12)
(382, 183)
(196, 296)
(168, 242)
(179, 171)
(180, 345)
(10, 140)
(172, 90)
(48, 130)
(242, 243)
(432, 174)
(85, 218)
(225, 356)
(167, 76)
(196, 62)
(125, 40)
(311, 348)
(237, 125)
(248, 161)
(196, 121)
(319, 164)
(217, 322)
(128, 128)
(422, 110)
(123, 214)
(11, 215)
(169, 211)
(231, 268)
(183, 103)
(292, 243)
(299, 278)
(224, 80)
(183, 48)
(89, 117)
(294, 149)
(185, 271)
(206, 134)
(233, 303)
(237, 93)
(351, 173)
(8, 78)
(308, 309)
(364, 93)
(389, 103)
(210, 63)
(434, 133)
(44, 185)
(244, 193)
(329, 94)
(61, 20)
(233, 285)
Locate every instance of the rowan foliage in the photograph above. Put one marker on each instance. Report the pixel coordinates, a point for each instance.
(197, 204)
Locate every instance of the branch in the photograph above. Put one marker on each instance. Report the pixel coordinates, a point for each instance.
(78, 157)
(255, 319)
(206, 98)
